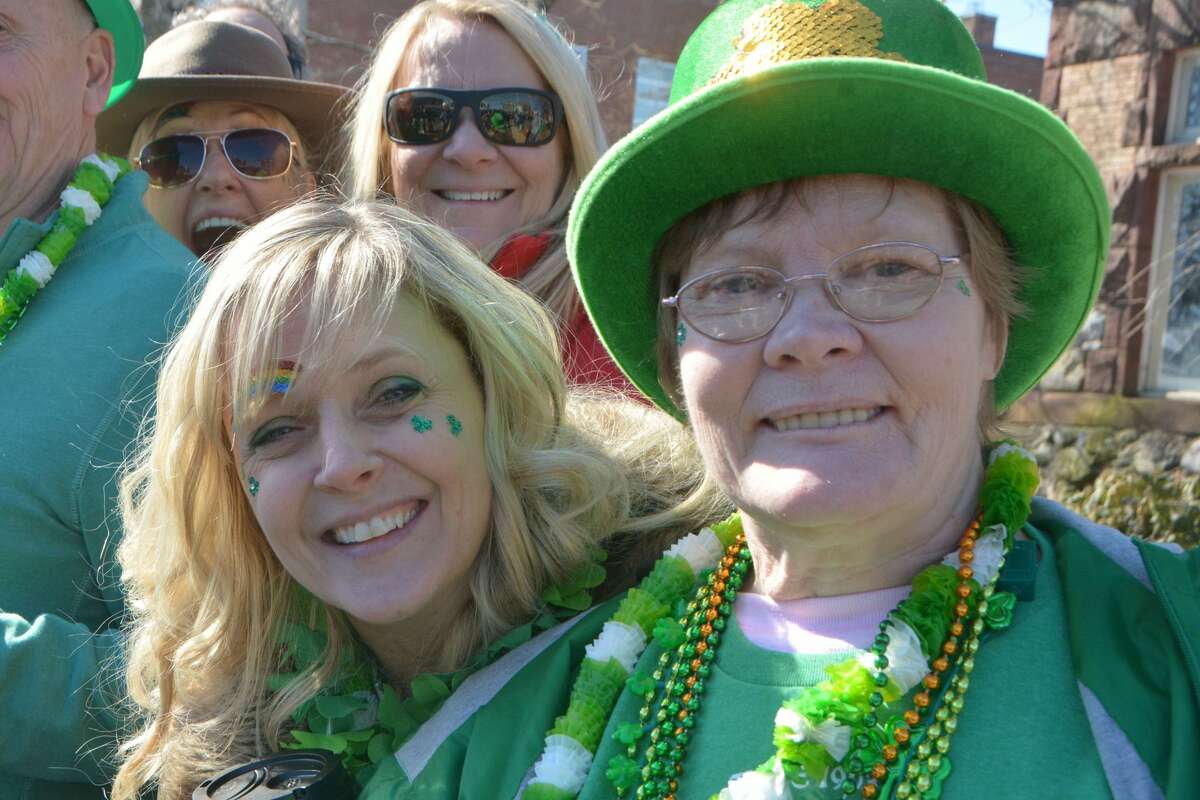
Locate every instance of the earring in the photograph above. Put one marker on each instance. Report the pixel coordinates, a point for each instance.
(680, 335)
(253, 486)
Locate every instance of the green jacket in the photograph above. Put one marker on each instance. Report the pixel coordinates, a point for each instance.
(1094, 691)
(77, 379)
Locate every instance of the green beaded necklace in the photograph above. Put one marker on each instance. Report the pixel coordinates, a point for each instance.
(705, 621)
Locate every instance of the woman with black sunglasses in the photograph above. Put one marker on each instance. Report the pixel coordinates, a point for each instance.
(479, 115)
(225, 133)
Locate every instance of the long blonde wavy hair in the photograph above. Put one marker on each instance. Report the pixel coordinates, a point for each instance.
(366, 161)
(207, 595)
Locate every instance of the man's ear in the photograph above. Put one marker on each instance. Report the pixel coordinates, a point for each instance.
(100, 63)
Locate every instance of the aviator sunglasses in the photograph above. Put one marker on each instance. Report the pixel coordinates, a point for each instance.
(510, 116)
(256, 153)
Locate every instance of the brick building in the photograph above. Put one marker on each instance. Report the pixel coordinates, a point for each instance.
(1017, 71)
(1125, 75)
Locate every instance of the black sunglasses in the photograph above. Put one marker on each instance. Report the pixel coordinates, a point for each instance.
(512, 116)
(258, 153)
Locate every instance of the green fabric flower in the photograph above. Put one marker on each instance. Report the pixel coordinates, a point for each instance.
(640, 684)
(668, 633)
(628, 733)
(622, 772)
(1000, 608)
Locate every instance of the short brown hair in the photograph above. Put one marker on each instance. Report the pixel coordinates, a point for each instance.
(991, 266)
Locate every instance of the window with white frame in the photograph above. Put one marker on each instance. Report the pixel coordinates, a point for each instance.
(1173, 307)
(1183, 122)
(652, 89)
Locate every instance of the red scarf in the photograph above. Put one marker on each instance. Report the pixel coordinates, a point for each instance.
(585, 360)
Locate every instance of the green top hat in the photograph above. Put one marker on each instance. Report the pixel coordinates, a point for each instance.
(118, 18)
(769, 90)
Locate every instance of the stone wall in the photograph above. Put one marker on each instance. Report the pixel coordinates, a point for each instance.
(1144, 483)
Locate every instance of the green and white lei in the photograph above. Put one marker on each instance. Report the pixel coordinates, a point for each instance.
(609, 661)
(81, 204)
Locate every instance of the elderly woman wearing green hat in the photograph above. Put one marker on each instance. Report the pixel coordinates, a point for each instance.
(887, 251)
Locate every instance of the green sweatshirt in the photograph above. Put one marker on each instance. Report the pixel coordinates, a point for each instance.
(77, 381)
(1091, 693)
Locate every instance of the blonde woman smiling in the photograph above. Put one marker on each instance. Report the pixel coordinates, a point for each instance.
(360, 471)
(478, 114)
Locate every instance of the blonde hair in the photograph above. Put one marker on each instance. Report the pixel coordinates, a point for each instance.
(206, 593)
(991, 266)
(366, 167)
(147, 130)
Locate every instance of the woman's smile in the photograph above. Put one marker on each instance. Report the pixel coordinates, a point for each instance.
(377, 526)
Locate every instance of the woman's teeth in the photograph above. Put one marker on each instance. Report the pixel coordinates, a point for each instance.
(825, 419)
(477, 196)
(218, 222)
(373, 528)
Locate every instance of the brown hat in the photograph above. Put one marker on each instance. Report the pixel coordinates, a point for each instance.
(223, 61)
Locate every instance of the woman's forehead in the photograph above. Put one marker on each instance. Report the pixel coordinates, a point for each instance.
(466, 53)
(203, 114)
(838, 201)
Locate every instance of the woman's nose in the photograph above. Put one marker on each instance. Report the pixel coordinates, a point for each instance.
(217, 174)
(813, 330)
(467, 146)
(350, 461)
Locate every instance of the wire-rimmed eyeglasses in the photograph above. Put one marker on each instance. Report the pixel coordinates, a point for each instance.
(880, 282)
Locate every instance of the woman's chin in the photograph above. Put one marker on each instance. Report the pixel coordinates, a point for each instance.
(817, 494)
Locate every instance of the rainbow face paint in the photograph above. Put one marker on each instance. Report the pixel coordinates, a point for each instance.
(421, 424)
(455, 425)
(281, 380)
(285, 375)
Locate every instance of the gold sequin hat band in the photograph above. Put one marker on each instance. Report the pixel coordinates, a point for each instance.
(773, 90)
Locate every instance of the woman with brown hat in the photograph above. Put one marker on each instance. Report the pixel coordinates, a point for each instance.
(225, 132)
